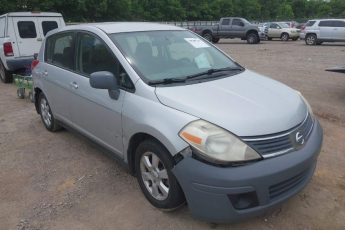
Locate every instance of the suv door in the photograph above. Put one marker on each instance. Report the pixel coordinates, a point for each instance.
(29, 38)
(274, 30)
(328, 30)
(94, 112)
(339, 30)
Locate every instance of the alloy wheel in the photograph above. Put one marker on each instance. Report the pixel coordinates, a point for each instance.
(45, 112)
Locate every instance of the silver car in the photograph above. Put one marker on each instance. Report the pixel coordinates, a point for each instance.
(192, 124)
(326, 30)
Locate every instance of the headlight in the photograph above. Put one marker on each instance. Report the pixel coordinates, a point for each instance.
(307, 104)
(216, 144)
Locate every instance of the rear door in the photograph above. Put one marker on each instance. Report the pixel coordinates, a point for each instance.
(237, 27)
(339, 30)
(29, 38)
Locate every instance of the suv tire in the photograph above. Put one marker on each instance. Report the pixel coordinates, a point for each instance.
(285, 37)
(153, 164)
(311, 39)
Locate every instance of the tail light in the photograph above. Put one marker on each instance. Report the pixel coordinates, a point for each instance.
(34, 63)
(8, 50)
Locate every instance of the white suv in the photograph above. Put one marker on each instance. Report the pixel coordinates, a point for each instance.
(21, 36)
(326, 30)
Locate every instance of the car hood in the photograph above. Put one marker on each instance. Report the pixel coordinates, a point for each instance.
(246, 104)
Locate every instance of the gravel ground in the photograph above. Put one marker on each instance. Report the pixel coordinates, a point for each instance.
(62, 181)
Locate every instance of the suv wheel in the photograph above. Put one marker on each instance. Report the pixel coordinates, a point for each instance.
(285, 37)
(215, 40)
(253, 38)
(5, 75)
(46, 114)
(310, 39)
(208, 37)
(153, 164)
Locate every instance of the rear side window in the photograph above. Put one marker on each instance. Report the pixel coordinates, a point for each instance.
(48, 26)
(237, 22)
(226, 22)
(60, 50)
(27, 29)
(327, 24)
(310, 23)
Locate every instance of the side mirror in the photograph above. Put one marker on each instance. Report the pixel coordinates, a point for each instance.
(105, 80)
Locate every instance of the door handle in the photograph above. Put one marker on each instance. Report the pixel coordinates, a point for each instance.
(74, 85)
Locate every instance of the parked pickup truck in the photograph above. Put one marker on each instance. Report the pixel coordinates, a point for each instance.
(230, 27)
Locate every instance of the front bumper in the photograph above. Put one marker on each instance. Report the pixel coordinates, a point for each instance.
(211, 191)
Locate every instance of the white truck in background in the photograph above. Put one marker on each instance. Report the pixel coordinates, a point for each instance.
(21, 36)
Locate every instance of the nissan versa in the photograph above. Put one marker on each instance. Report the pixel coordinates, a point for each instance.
(192, 124)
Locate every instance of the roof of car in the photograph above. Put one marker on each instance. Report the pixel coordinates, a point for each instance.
(120, 27)
(32, 14)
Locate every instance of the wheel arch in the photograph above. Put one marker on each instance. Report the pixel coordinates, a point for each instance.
(252, 31)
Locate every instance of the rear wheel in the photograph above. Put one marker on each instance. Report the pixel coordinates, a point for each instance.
(208, 36)
(5, 75)
(253, 38)
(285, 37)
(311, 39)
(153, 164)
(215, 40)
(47, 116)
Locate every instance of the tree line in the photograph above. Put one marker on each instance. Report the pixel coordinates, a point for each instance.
(179, 10)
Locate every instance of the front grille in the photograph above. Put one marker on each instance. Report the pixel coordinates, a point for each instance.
(285, 186)
(280, 143)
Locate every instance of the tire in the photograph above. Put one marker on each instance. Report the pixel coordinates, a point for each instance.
(285, 37)
(215, 40)
(46, 114)
(253, 38)
(5, 75)
(21, 93)
(311, 40)
(208, 36)
(153, 164)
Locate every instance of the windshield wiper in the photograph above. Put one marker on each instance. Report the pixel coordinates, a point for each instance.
(209, 72)
(166, 81)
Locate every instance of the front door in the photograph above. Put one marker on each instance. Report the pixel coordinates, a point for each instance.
(93, 111)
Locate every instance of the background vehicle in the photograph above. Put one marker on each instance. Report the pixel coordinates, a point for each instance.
(230, 27)
(120, 85)
(21, 36)
(324, 30)
(282, 31)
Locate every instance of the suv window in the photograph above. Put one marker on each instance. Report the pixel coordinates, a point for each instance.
(226, 22)
(328, 23)
(27, 29)
(94, 55)
(60, 50)
(48, 26)
(310, 23)
(339, 23)
(275, 26)
(237, 22)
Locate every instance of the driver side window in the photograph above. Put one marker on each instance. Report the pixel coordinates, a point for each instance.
(93, 55)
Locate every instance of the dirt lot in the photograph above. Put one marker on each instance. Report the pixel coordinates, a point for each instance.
(62, 181)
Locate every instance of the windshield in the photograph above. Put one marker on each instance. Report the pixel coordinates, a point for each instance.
(167, 55)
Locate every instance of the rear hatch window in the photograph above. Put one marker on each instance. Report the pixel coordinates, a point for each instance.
(310, 23)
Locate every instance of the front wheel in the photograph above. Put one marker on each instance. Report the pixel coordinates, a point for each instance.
(311, 40)
(153, 164)
(47, 116)
(253, 38)
(215, 40)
